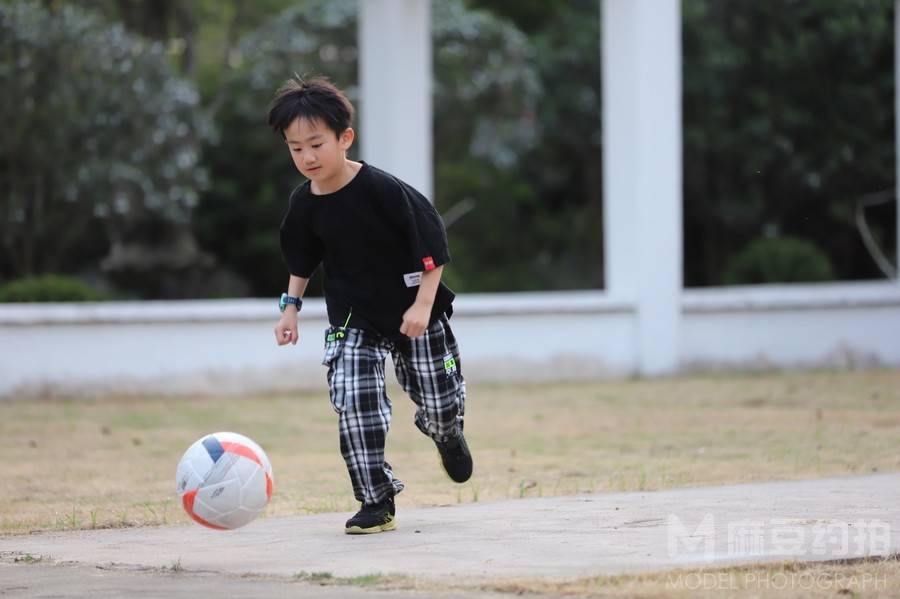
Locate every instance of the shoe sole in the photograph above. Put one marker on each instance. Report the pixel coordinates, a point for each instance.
(359, 530)
(456, 480)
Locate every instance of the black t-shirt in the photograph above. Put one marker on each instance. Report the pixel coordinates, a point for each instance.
(368, 235)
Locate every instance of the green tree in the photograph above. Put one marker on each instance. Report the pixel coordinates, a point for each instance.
(789, 119)
(101, 144)
(251, 171)
(485, 94)
(562, 170)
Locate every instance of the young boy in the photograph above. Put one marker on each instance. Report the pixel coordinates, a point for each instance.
(383, 247)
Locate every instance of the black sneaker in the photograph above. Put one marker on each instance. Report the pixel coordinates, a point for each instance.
(456, 458)
(373, 517)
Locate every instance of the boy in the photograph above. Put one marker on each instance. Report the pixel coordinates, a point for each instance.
(383, 248)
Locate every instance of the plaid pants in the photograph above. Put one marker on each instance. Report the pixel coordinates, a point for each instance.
(428, 369)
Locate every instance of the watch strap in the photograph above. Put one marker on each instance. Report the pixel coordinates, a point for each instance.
(286, 300)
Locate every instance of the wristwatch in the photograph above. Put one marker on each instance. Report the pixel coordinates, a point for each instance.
(287, 300)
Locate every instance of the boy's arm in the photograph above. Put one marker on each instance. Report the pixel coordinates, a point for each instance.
(286, 329)
(415, 319)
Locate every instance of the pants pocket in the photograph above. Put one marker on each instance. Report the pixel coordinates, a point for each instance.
(334, 344)
(335, 340)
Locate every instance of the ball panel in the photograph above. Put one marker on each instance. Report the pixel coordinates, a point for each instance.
(245, 470)
(223, 496)
(221, 470)
(242, 450)
(253, 494)
(213, 447)
(229, 437)
(192, 469)
(187, 500)
(237, 518)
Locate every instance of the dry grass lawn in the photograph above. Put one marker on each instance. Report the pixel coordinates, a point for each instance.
(100, 462)
(87, 462)
(873, 577)
(865, 578)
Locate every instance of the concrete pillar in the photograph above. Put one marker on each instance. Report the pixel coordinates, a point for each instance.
(395, 89)
(642, 149)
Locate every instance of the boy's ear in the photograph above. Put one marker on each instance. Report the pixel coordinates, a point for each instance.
(345, 140)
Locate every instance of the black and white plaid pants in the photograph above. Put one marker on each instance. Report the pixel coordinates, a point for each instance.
(427, 367)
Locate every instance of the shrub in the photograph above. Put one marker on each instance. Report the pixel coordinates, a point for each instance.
(779, 260)
(48, 288)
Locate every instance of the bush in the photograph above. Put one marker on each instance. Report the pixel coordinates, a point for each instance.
(102, 140)
(779, 260)
(48, 288)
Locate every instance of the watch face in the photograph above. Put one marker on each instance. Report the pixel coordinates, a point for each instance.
(288, 299)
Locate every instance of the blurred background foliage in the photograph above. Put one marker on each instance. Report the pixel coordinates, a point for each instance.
(789, 123)
(137, 159)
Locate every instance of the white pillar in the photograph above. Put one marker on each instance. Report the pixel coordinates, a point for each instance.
(897, 127)
(395, 89)
(642, 149)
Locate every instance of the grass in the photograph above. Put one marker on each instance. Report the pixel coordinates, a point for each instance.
(175, 566)
(846, 578)
(314, 576)
(28, 558)
(327, 578)
(856, 577)
(84, 463)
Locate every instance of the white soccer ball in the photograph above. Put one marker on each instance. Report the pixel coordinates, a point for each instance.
(224, 480)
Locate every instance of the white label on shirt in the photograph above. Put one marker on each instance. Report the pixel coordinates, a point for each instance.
(413, 279)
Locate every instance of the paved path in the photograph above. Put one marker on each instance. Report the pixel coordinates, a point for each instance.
(537, 538)
(68, 581)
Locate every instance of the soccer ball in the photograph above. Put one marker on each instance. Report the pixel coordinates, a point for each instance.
(224, 481)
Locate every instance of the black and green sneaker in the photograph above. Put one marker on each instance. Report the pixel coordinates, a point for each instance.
(372, 518)
(456, 458)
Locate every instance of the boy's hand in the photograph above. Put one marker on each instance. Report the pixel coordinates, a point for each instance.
(415, 320)
(286, 329)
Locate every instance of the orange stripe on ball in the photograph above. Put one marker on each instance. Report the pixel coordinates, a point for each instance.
(188, 501)
(238, 449)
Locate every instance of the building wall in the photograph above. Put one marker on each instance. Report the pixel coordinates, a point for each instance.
(228, 346)
(848, 325)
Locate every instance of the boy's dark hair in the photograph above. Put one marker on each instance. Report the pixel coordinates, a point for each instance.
(317, 98)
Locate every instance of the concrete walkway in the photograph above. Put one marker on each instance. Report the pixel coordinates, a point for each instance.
(539, 538)
(68, 581)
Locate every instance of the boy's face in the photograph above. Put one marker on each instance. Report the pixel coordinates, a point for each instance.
(318, 153)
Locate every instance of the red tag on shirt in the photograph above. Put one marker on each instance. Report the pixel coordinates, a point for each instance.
(428, 261)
